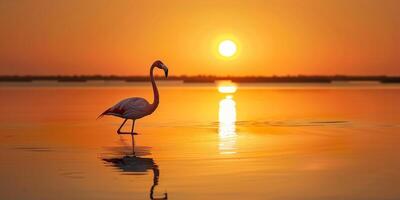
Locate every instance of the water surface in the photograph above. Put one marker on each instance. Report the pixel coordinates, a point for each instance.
(266, 141)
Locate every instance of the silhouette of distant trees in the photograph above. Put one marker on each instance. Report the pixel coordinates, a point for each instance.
(205, 78)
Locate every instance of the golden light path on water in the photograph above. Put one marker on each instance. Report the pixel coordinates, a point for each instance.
(227, 119)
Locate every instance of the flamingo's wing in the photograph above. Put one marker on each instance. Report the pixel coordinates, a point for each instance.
(131, 108)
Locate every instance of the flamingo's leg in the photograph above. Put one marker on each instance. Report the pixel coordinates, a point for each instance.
(119, 130)
(133, 145)
(133, 138)
(133, 125)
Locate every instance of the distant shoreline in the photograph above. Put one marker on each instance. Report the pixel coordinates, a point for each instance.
(206, 79)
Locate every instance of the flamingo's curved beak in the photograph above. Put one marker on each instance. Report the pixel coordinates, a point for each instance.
(166, 72)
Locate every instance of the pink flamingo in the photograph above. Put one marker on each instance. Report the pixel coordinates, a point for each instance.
(136, 107)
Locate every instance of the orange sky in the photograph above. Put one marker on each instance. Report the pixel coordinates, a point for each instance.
(274, 37)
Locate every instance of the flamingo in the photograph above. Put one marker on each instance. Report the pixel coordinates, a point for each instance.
(136, 107)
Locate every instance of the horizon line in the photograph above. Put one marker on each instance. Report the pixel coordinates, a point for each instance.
(199, 75)
(206, 78)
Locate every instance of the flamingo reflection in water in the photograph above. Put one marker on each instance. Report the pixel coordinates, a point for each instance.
(135, 165)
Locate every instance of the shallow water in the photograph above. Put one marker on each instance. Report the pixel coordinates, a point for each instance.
(334, 141)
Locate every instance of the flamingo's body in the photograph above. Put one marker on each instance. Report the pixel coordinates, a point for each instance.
(130, 108)
(136, 107)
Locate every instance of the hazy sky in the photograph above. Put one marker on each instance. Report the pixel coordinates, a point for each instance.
(274, 37)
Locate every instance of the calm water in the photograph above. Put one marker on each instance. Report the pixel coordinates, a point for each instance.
(337, 141)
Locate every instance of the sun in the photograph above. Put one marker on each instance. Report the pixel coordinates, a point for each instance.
(227, 48)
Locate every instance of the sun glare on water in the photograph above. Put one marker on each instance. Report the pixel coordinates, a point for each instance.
(227, 87)
(227, 118)
(227, 48)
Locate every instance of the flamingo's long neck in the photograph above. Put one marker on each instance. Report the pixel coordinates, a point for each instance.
(155, 90)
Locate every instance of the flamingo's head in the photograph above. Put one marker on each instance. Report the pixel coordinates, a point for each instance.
(161, 65)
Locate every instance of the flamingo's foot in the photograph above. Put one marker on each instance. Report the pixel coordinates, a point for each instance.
(127, 133)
